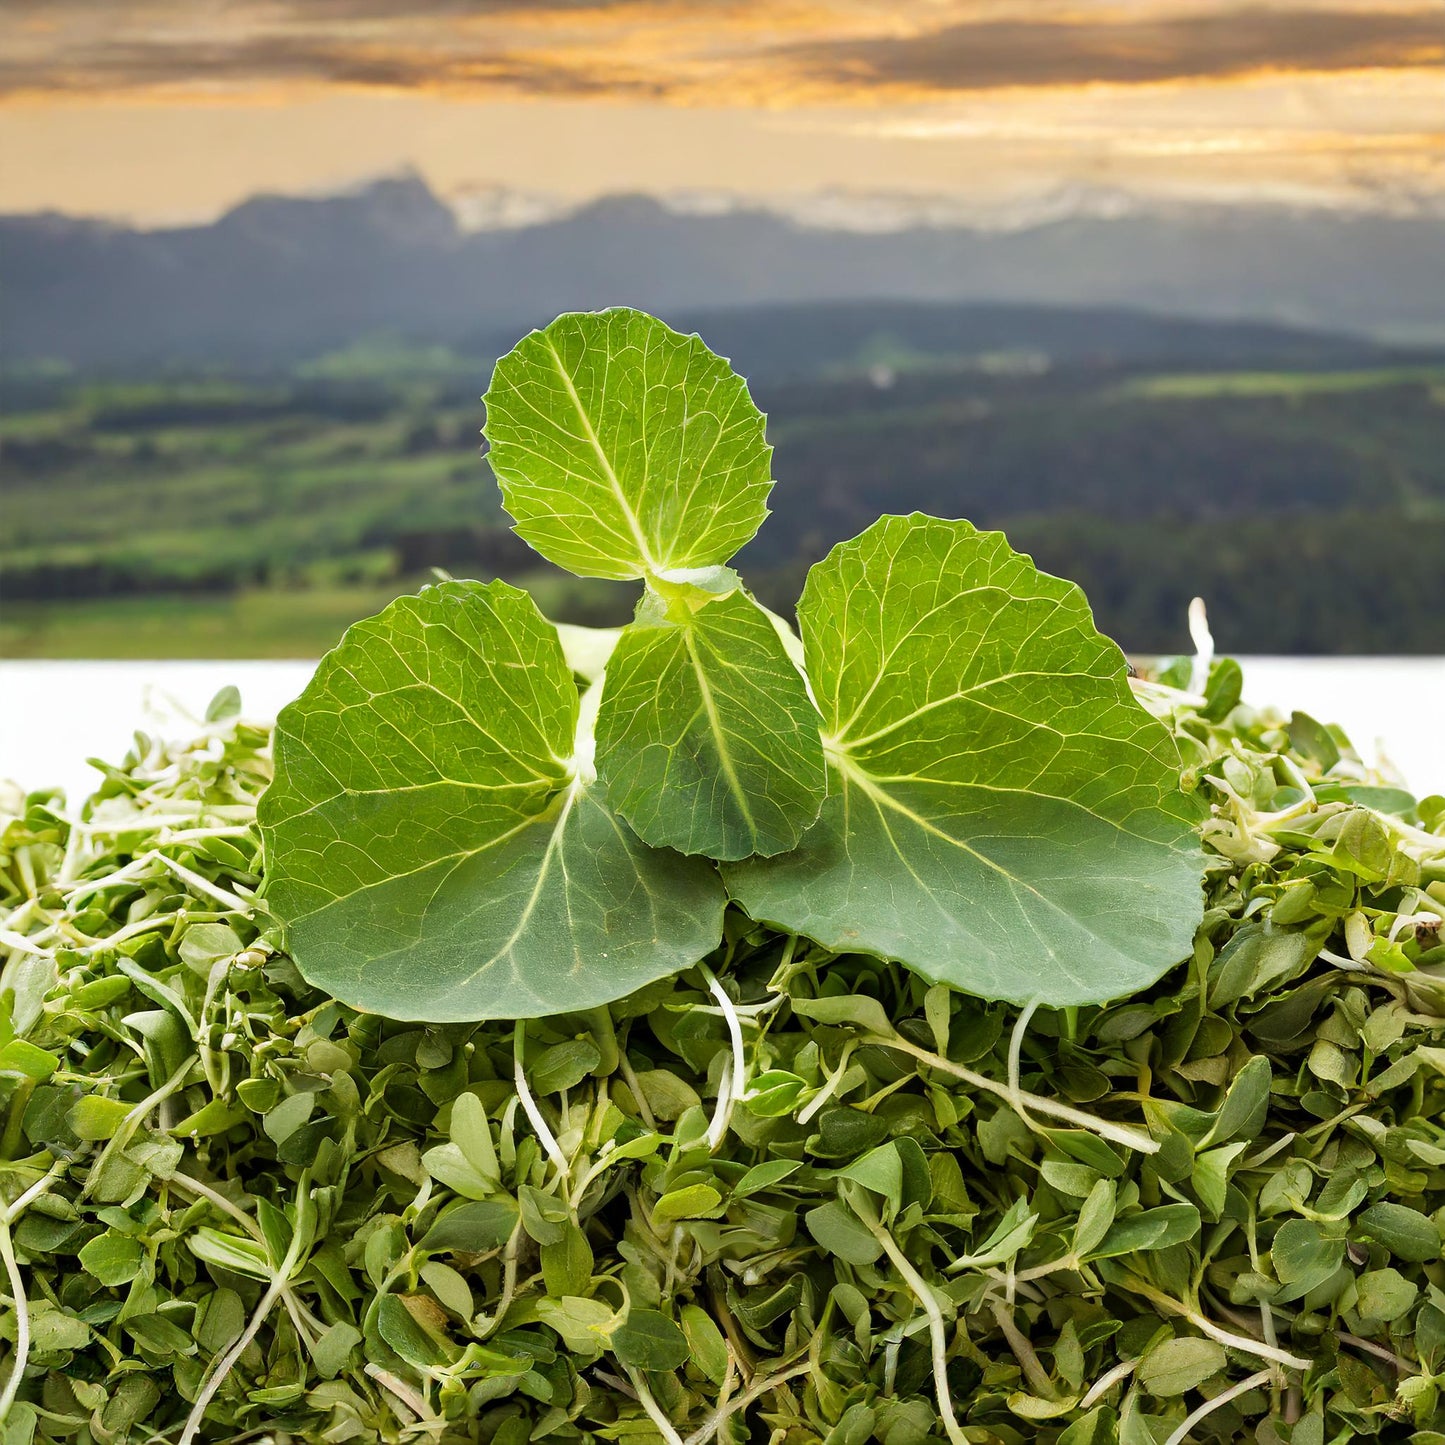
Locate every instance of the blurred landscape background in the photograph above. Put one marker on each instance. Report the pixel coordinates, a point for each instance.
(1158, 288)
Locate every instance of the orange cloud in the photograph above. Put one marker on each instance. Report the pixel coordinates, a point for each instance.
(746, 52)
(1227, 43)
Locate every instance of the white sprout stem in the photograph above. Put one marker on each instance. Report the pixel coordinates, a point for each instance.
(70, 860)
(606, 1158)
(1106, 1382)
(1256, 1161)
(124, 874)
(1040, 1271)
(754, 1392)
(195, 882)
(1379, 1351)
(1243, 1343)
(131, 1122)
(937, 1327)
(22, 1321)
(733, 1086)
(217, 1072)
(227, 1362)
(13, 1211)
(709, 1428)
(1015, 1052)
(19, 944)
(1414, 915)
(411, 1402)
(634, 1085)
(1266, 822)
(665, 1427)
(529, 1107)
(1266, 1325)
(745, 1010)
(1147, 690)
(482, 1326)
(127, 874)
(296, 1308)
(196, 835)
(835, 1079)
(132, 930)
(722, 1115)
(110, 827)
(1203, 640)
(1217, 1403)
(27, 872)
(1120, 1133)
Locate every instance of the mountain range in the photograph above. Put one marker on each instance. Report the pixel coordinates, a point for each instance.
(279, 279)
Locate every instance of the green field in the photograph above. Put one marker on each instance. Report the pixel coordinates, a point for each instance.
(250, 622)
(230, 516)
(1189, 386)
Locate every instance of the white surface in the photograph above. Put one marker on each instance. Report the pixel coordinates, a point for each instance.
(54, 715)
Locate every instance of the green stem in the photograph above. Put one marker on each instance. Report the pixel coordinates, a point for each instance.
(277, 1288)
(16, 1118)
(937, 1327)
(664, 1426)
(1034, 1371)
(604, 1035)
(132, 1120)
(1120, 1133)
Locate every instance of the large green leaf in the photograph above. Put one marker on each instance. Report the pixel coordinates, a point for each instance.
(706, 739)
(436, 842)
(1002, 815)
(625, 449)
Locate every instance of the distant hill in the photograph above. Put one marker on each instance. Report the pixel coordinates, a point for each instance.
(885, 340)
(280, 279)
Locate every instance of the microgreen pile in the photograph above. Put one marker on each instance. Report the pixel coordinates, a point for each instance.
(913, 1028)
(779, 1197)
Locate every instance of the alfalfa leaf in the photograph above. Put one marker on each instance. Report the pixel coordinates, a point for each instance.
(648, 1340)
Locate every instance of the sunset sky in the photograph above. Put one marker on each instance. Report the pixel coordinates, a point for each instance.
(172, 111)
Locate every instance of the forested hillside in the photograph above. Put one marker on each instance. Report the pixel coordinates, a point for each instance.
(1294, 479)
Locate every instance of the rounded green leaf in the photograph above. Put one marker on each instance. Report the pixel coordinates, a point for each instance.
(1176, 1366)
(435, 842)
(706, 739)
(648, 1340)
(1002, 815)
(625, 449)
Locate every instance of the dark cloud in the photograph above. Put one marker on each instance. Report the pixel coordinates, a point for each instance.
(277, 60)
(126, 12)
(341, 11)
(991, 54)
